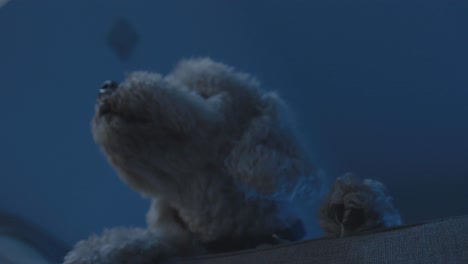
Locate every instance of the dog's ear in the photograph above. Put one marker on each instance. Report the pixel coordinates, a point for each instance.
(269, 160)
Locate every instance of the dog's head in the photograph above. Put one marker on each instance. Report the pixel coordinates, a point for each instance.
(205, 134)
(156, 128)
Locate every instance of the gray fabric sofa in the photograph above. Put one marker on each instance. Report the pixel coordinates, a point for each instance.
(442, 241)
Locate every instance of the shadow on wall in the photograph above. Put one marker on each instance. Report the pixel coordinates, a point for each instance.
(23, 242)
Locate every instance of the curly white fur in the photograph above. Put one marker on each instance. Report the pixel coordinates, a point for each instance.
(122, 245)
(215, 154)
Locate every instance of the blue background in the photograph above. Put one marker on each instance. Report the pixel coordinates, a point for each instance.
(379, 87)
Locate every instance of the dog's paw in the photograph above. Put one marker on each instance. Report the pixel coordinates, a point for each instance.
(121, 246)
(352, 207)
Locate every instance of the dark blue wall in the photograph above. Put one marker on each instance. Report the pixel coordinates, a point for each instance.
(379, 88)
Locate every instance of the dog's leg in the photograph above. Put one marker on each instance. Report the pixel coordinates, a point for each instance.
(121, 245)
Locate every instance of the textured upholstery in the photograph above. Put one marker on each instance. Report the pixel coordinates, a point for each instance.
(442, 241)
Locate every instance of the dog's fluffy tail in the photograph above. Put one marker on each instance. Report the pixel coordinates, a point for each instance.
(353, 206)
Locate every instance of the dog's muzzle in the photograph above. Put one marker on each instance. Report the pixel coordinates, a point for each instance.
(107, 88)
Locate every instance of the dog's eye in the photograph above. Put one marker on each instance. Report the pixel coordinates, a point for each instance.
(205, 95)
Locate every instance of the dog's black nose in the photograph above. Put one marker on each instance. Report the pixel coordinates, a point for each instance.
(107, 88)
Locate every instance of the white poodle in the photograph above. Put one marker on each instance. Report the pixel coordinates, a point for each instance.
(221, 164)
